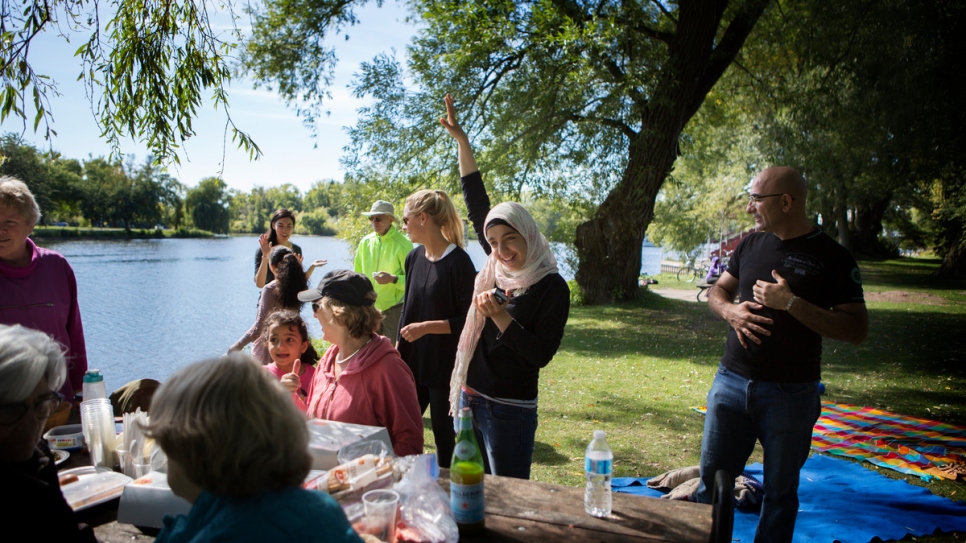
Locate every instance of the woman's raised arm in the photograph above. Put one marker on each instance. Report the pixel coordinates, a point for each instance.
(466, 158)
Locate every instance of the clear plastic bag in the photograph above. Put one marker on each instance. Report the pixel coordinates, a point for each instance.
(424, 505)
(358, 449)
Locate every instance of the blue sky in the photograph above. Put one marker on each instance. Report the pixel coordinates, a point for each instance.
(289, 153)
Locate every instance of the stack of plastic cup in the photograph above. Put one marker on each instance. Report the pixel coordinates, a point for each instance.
(97, 417)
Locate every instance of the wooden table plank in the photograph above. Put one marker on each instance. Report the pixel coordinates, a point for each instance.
(555, 510)
(519, 511)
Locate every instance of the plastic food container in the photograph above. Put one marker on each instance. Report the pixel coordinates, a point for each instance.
(68, 438)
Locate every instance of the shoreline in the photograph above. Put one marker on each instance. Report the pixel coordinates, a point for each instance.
(92, 233)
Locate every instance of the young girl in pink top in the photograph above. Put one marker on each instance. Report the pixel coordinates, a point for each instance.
(287, 338)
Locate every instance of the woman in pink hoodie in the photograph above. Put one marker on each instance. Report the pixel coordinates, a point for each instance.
(361, 379)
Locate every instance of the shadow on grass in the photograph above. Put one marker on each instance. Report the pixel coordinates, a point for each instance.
(652, 327)
(546, 454)
(908, 273)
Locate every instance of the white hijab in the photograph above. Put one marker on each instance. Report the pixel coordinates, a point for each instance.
(540, 262)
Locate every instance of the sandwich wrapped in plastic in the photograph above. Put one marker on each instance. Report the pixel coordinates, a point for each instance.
(425, 514)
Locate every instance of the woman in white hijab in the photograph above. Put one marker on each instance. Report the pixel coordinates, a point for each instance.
(514, 327)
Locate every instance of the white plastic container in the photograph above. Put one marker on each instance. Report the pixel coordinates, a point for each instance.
(94, 387)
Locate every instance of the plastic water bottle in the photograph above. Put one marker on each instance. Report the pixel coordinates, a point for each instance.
(599, 466)
(94, 386)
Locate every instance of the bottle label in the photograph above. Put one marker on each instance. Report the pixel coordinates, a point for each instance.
(599, 467)
(467, 502)
(464, 450)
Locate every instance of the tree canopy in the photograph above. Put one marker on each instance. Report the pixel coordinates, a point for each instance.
(146, 66)
(858, 97)
(581, 100)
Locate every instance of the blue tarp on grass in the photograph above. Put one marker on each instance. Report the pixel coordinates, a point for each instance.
(842, 501)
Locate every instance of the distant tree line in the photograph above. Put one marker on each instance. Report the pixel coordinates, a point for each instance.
(102, 192)
(99, 192)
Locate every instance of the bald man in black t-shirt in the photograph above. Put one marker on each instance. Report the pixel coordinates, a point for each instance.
(795, 285)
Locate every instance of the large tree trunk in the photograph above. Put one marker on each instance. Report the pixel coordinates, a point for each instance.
(609, 245)
(868, 226)
(953, 262)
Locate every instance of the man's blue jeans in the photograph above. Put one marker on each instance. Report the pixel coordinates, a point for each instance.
(781, 416)
(506, 433)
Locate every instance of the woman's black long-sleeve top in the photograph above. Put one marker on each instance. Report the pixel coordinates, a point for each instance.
(508, 365)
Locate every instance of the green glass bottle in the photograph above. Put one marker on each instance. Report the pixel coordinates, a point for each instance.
(466, 496)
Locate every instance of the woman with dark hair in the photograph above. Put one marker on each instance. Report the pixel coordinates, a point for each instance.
(514, 327)
(281, 293)
(279, 234)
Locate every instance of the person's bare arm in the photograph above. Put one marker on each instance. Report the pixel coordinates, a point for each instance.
(317, 264)
(466, 158)
(847, 322)
(262, 272)
(742, 317)
(412, 332)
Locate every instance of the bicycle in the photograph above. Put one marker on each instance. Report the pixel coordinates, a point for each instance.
(691, 271)
(702, 295)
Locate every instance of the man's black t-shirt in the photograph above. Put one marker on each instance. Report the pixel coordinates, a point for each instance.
(818, 270)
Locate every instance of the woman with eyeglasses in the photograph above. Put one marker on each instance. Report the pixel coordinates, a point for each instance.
(279, 234)
(514, 327)
(361, 379)
(439, 291)
(32, 369)
(37, 286)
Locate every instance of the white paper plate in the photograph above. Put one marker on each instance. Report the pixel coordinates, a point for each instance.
(60, 456)
(93, 486)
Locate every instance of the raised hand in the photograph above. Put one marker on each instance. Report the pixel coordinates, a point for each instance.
(319, 263)
(265, 245)
(449, 121)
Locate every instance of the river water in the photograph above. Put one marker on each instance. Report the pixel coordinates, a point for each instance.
(151, 306)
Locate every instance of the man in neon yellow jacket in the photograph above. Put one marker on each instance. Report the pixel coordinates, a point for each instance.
(382, 256)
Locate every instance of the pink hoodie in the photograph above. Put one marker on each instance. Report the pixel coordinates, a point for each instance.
(376, 389)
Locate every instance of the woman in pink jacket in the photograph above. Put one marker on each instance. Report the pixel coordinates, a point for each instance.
(361, 379)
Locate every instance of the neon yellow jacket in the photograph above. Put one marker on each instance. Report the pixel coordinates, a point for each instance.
(386, 254)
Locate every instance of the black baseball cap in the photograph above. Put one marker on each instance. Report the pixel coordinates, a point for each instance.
(346, 286)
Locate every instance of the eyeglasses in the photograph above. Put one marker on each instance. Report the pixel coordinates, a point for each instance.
(315, 307)
(376, 218)
(11, 413)
(757, 198)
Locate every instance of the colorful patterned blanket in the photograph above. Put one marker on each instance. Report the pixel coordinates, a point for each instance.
(906, 444)
(922, 447)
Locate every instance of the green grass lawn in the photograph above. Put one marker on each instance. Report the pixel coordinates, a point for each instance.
(636, 369)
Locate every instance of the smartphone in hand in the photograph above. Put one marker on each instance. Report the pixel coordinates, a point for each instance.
(499, 295)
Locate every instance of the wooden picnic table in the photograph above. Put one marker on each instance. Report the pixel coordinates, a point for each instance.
(519, 510)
